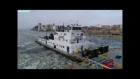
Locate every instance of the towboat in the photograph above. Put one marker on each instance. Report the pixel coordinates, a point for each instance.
(70, 41)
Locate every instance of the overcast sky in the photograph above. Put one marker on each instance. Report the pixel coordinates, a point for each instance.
(85, 17)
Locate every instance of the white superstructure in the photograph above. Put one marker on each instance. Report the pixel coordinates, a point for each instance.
(68, 38)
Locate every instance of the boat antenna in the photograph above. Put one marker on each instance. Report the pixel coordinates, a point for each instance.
(71, 22)
(63, 23)
(46, 31)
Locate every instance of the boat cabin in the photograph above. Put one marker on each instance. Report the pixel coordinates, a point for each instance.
(68, 38)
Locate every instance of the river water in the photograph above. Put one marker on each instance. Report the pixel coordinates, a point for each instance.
(33, 56)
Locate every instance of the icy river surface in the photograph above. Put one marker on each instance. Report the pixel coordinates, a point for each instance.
(33, 56)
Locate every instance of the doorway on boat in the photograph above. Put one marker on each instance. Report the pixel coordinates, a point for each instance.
(77, 40)
(54, 46)
(46, 41)
(81, 48)
(68, 49)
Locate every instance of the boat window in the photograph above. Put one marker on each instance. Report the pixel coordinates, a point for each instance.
(73, 28)
(53, 43)
(65, 28)
(77, 34)
(76, 28)
(66, 40)
(64, 34)
(62, 30)
(72, 33)
(79, 28)
(63, 46)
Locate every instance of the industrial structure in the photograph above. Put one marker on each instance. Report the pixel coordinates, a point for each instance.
(40, 27)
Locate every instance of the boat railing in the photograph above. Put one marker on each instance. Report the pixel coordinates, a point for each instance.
(72, 42)
(41, 37)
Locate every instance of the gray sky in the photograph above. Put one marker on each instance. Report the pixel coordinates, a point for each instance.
(85, 17)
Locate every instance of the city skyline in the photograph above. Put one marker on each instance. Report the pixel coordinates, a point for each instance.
(84, 17)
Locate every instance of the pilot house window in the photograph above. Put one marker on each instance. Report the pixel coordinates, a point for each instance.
(73, 28)
(76, 28)
(79, 28)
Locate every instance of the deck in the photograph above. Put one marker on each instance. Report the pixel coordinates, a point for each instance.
(65, 54)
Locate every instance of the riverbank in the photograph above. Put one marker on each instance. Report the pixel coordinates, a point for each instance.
(42, 30)
(107, 36)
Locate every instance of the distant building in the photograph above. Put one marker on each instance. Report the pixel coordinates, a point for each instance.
(49, 26)
(105, 26)
(121, 28)
(39, 26)
(56, 27)
(98, 25)
(84, 28)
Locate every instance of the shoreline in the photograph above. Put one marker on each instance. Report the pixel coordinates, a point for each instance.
(107, 36)
(99, 35)
(42, 31)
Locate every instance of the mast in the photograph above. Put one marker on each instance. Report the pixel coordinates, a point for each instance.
(46, 31)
